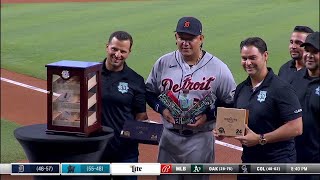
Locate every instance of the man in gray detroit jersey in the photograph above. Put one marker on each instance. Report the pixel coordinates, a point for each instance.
(191, 68)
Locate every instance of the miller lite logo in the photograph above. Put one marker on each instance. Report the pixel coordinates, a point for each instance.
(166, 168)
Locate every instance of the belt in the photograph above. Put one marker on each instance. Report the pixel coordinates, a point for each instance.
(185, 132)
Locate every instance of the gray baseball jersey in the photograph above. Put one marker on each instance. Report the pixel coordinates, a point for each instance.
(171, 72)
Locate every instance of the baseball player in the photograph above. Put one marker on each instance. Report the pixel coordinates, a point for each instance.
(192, 68)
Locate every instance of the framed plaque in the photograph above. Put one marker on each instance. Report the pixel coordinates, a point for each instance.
(231, 121)
(73, 98)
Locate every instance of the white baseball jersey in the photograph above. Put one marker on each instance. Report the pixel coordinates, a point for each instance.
(171, 72)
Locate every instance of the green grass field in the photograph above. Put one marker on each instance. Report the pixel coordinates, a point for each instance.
(11, 150)
(33, 35)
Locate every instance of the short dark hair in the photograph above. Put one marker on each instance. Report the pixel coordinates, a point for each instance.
(256, 42)
(304, 29)
(122, 36)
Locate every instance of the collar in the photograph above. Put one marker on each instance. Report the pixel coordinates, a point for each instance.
(307, 76)
(266, 82)
(104, 68)
(293, 63)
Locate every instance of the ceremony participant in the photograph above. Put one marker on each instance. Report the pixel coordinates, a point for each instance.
(307, 86)
(274, 112)
(298, 36)
(190, 69)
(123, 99)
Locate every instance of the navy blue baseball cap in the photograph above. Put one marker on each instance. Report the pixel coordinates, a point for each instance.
(313, 40)
(190, 25)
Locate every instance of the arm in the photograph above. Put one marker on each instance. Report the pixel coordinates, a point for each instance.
(153, 91)
(285, 132)
(290, 113)
(226, 89)
(139, 102)
(225, 92)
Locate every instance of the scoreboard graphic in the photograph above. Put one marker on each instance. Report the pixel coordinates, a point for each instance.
(140, 169)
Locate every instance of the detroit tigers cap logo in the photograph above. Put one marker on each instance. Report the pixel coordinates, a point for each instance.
(186, 24)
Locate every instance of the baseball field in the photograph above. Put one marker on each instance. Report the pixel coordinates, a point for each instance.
(37, 32)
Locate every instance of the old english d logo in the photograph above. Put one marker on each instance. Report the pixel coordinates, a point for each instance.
(186, 24)
(262, 96)
(123, 87)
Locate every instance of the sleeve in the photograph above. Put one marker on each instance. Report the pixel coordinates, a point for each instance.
(139, 101)
(152, 88)
(226, 88)
(288, 104)
(225, 92)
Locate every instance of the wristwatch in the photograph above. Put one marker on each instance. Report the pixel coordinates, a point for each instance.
(262, 140)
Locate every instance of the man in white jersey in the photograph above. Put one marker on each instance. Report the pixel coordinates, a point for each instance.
(192, 68)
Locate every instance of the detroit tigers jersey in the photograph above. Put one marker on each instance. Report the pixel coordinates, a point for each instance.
(171, 72)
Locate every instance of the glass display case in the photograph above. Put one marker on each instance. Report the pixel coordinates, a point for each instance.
(74, 102)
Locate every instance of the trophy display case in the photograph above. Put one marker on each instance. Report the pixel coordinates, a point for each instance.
(74, 97)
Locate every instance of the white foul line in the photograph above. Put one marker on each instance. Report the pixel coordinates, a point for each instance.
(55, 94)
(229, 145)
(27, 86)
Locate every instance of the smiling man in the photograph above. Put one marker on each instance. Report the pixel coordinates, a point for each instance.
(193, 69)
(274, 112)
(298, 36)
(123, 99)
(307, 86)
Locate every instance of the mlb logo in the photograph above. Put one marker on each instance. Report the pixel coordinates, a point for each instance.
(166, 168)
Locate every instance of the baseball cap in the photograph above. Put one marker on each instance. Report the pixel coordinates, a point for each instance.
(190, 25)
(313, 40)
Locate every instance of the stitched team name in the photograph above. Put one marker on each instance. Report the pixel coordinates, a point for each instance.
(187, 84)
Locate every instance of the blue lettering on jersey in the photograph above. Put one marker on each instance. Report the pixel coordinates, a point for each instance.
(318, 91)
(123, 87)
(262, 96)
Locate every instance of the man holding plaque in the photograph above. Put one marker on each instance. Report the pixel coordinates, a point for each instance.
(274, 111)
(123, 99)
(200, 76)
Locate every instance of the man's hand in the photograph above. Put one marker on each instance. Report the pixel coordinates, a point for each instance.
(217, 136)
(250, 139)
(168, 116)
(200, 121)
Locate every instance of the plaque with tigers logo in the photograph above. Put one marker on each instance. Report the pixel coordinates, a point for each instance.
(231, 121)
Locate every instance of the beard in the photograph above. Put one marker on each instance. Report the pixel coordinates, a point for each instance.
(312, 66)
(296, 57)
